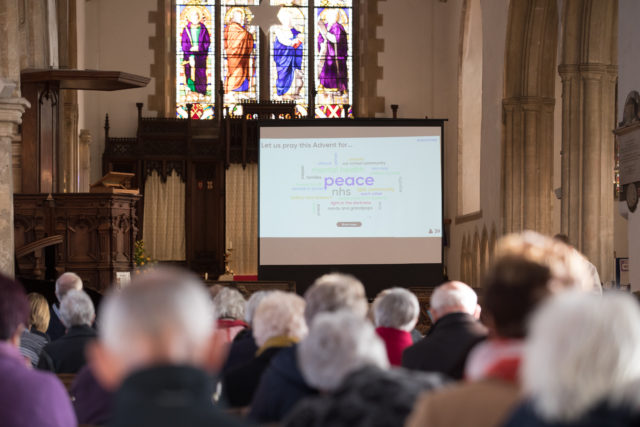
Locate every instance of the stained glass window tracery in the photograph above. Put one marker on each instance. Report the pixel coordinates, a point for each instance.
(298, 34)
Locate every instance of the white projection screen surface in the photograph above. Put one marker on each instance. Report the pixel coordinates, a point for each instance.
(361, 194)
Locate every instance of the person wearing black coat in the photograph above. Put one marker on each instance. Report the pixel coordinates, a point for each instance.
(67, 354)
(455, 332)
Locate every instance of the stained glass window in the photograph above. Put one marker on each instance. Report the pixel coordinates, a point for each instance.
(240, 55)
(289, 46)
(195, 77)
(294, 34)
(333, 58)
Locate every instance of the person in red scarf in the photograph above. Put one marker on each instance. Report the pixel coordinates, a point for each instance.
(528, 269)
(396, 312)
(229, 306)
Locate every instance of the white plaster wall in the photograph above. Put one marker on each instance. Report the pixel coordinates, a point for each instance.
(116, 39)
(628, 80)
(420, 73)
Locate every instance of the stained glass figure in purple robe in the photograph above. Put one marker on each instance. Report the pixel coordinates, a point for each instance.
(333, 48)
(195, 47)
(287, 55)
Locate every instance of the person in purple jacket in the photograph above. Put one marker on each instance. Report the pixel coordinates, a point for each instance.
(30, 397)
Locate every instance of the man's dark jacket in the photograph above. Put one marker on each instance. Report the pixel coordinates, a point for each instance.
(168, 396)
(66, 355)
(367, 397)
(446, 346)
(281, 387)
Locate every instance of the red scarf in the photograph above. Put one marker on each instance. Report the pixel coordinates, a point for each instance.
(495, 358)
(396, 340)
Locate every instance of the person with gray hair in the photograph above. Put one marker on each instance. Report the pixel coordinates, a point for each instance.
(66, 282)
(456, 330)
(243, 348)
(579, 368)
(345, 359)
(395, 313)
(229, 305)
(67, 354)
(158, 348)
(278, 323)
(282, 385)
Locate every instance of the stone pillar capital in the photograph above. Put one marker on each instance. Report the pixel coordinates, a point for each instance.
(11, 110)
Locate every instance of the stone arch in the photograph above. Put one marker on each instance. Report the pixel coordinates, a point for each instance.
(484, 252)
(463, 259)
(493, 242)
(589, 74)
(527, 160)
(475, 260)
(469, 108)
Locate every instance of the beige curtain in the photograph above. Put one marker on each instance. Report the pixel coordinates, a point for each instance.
(242, 217)
(164, 205)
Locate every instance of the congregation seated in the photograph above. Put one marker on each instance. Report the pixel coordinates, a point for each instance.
(29, 397)
(456, 330)
(34, 336)
(278, 323)
(158, 349)
(528, 269)
(66, 282)
(581, 363)
(344, 357)
(243, 348)
(282, 385)
(395, 313)
(229, 306)
(67, 354)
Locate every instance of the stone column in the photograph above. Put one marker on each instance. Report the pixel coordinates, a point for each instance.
(528, 164)
(589, 73)
(11, 110)
(588, 161)
(84, 154)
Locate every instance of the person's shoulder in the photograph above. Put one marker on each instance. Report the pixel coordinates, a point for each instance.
(47, 386)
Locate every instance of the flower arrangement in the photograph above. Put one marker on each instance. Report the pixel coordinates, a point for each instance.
(140, 257)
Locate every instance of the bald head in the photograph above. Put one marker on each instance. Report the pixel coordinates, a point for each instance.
(454, 297)
(67, 282)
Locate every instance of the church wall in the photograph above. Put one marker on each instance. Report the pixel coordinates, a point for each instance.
(116, 38)
(628, 80)
(420, 73)
(478, 230)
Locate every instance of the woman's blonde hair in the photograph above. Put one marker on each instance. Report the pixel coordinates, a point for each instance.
(39, 314)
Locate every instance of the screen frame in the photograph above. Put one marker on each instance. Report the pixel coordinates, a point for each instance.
(433, 273)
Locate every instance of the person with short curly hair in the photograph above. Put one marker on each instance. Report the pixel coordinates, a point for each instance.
(277, 323)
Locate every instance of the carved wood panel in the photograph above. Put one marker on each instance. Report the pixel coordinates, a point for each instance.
(98, 232)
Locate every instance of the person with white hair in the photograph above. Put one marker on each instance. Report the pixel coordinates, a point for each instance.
(456, 330)
(158, 348)
(243, 348)
(282, 385)
(278, 323)
(395, 313)
(66, 282)
(229, 305)
(67, 354)
(580, 364)
(346, 360)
